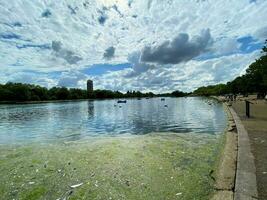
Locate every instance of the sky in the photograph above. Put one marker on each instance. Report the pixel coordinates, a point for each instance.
(145, 45)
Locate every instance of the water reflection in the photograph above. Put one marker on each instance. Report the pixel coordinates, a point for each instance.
(91, 108)
(76, 120)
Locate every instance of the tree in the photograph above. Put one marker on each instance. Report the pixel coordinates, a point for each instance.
(254, 81)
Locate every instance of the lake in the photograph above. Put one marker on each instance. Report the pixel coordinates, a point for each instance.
(144, 149)
(78, 120)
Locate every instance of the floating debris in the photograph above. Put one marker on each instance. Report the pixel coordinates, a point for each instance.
(121, 101)
(31, 183)
(180, 193)
(77, 185)
(96, 183)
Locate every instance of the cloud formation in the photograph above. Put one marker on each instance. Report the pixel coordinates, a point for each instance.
(67, 55)
(47, 13)
(109, 53)
(51, 38)
(180, 49)
(71, 79)
(138, 66)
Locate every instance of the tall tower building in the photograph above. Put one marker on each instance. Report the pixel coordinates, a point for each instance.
(90, 86)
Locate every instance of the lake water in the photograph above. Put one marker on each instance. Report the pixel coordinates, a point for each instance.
(78, 120)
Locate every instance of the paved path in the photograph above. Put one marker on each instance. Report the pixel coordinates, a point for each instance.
(254, 141)
(245, 185)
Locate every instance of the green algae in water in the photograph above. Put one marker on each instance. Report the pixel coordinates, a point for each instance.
(154, 166)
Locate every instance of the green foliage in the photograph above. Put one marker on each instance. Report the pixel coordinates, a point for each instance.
(27, 92)
(254, 81)
(178, 93)
(212, 90)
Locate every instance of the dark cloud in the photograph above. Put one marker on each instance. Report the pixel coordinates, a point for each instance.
(115, 7)
(109, 53)
(38, 46)
(10, 36)
(56, 45)
(103, 17)
(103, 13)
(86, 4)
(14, 24)
(46, 13)
(252, 1)
(17, 24)
(73, 10)
(130, 3)
(67, 55)
(178, 50)
(138, 67)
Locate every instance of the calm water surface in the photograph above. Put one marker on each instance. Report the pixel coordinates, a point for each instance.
(78, 120)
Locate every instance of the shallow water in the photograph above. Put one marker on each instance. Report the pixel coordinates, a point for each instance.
(71, 121)
(153, 166)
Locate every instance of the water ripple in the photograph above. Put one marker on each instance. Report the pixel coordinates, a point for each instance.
(77, 120)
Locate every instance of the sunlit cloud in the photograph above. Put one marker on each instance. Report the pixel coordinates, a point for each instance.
(137, 44)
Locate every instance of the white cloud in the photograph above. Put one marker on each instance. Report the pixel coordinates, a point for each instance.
(129, 27)
(185, 76)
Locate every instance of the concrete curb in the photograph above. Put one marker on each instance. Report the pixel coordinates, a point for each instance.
(225, 174)
(245, 183)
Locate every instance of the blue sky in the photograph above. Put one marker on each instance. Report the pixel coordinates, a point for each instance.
(147, 45)
(100, 69)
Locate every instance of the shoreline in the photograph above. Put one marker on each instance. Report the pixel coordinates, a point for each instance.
(226, 168)
(77, 100)
(40, 102)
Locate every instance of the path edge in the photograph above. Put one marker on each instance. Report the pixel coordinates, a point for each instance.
(245, 183)
(242, 184)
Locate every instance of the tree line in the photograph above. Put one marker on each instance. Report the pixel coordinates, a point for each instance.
(253, 81)
(12, 92)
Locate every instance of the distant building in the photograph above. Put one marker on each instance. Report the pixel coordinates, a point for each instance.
(90, 86)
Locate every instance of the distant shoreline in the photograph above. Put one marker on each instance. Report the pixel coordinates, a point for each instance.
(74, 100)
(45, 101)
